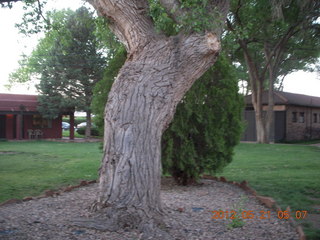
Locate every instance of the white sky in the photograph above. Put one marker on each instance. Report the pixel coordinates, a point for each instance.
(13, 45)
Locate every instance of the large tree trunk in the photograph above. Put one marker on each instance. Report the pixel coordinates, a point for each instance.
(141, 104)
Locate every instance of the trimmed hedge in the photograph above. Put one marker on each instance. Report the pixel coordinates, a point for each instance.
(94, 131)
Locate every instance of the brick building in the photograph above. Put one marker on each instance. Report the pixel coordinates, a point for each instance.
(297, 117)
(20, 119)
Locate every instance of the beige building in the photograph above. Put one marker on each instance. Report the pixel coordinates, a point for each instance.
(297, 117)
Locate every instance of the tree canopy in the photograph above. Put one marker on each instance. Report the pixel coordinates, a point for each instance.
(68, 61)
(271, 39)
(288, 31)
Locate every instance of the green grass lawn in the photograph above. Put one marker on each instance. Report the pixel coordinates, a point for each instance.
(40, 165)
(66, 133)
(288, 173)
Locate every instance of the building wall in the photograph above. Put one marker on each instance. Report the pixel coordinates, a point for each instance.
(10, 126)
(54, 129)
(249, 120)
(2, 126)
(289, 130)
(305, 128)
(250, 133)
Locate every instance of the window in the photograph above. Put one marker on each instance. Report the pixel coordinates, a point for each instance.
(301, 117)
(40, 122)
(315, 118)
(294, 116)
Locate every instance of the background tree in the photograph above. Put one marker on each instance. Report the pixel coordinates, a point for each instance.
(68, 61)
(274, 38)
(33, 20)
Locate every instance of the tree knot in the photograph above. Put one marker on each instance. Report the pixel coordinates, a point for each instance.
(213, 42)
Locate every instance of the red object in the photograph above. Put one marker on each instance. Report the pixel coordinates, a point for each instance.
(20, 119)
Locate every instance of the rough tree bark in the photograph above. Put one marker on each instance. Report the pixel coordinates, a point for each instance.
(256, 82)
(270, 136)
(141, 104)
(88, 125)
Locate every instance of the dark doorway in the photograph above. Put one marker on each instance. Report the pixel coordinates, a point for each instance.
(250, 133)
(280, 126)
(2, 126)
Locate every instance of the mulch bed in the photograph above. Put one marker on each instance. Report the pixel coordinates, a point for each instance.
(188, 215)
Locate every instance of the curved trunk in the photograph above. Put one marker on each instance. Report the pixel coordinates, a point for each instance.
(142, 101)
(140, 106)
(256, 83)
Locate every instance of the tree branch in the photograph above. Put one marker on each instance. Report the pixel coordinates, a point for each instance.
(236, 14)
(40, 13)
(173, 9)
(254, 78)
(129, 20)
(280, 88)
(277, 50)
(222, 6)
(216, 9)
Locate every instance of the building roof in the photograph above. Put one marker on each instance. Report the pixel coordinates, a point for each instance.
(286, 98)
(18, 102)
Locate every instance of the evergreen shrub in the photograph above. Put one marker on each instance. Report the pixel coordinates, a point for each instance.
(94, 131)
(206, 127)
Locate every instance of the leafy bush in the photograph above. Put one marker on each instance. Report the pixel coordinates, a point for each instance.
(94, 131)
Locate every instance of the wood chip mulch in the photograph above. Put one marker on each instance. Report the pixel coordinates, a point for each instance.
(188, 215)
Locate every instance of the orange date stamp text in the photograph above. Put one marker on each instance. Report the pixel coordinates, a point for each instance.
(258, 214)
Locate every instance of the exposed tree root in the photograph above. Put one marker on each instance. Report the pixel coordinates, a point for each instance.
(114, 219)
